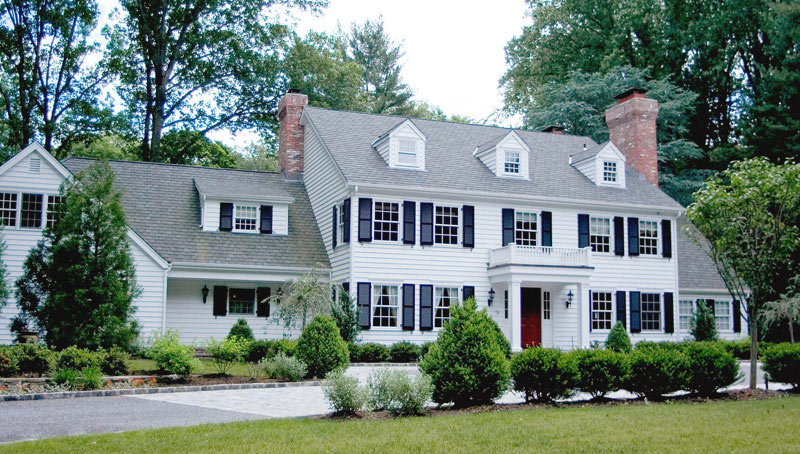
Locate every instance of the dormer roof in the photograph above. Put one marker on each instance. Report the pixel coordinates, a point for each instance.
(406, 121)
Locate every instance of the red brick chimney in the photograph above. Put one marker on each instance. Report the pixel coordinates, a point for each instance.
(554, 130)
(291, 134)
(632, 128)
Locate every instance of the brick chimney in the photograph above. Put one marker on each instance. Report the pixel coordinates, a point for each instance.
(554, 130)
(291, 134)
(632, 128)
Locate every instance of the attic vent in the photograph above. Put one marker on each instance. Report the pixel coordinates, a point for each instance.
(34, 165)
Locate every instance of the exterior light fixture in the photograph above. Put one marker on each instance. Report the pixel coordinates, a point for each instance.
(205, 293)
(570, 295)
(491, 296)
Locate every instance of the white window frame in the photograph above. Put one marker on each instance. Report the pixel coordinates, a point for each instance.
(18, 195)
(719, 318)
(610, 175)
(656, 239)
(401, 152)
(48, 221)
(520, 223)
(236, 207)
(512, 159)
(14, 210)
(438, 295)
(383, 312)
(453, 215)
(42, 208)
(546, 305)
(385, 222)
(660, 311)
(684, 316)
(340, 216)
(255, 296)
(604, 308)
(596, 235)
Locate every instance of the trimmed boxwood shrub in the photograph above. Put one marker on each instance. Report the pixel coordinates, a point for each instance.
(241, 329)
(404, 352)
(468, 363)
(321, 347)
(740, 349)
(374, 353)
(599, 371)
(543, 374)
(79, 358)
(355, 352)
(710, 368)
(32, 358)
(618, 340)
(782, 363)
(423, 349)
(116, 361)
(657, 371)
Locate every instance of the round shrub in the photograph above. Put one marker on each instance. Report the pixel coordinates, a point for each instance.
(8, 365)
(31, 358)
(600, 371)
(241, 329)
(79, 358)
(116, 361)
(260, 349)
(710, 367)
(345, 396)
(286, 346)
(618, 340)
(373, 353)
(171, 356)
(656, 371)
(543, 374)
(782, 363)
(282, 367)
(404, 352)
(398, 392)
(468, 363)
(321, 347)
(355, 352)
(225, 353)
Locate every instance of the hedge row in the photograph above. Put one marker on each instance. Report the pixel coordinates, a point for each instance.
(400, 352)
(35, 359)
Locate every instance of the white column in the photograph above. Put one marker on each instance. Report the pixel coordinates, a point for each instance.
(582, 306)
(515, 301)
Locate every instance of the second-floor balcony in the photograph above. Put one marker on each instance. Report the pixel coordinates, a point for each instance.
(513, 254)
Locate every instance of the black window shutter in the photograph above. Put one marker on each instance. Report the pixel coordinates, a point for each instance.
(425, 223)
(583, 230)
(346, 287)
(636, 314)
(666, 238)
(467, 292)
(468, 213)
(619, 236)
(220, 300)
(737, 316)
(633, 236)
(333, 228)
(621, 308)
(226, 216)
(409, 222)
(266, 219)
(408, 307)
(364, 220)
(426, 307)
(547, 228)
(364, 291)
(669, 318)
(710, 304)
(346, 221)
(262, 305)
(508, 226)
(590, 311)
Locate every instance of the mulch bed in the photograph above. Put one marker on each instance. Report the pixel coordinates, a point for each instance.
(211, 379)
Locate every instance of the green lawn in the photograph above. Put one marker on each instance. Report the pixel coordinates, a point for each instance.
(767, 426)
(206, 367)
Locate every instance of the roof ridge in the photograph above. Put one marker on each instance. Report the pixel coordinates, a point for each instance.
(86, 158)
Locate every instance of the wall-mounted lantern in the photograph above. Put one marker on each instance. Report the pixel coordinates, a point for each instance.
(570, 295)
(491, 296)
(205, 293)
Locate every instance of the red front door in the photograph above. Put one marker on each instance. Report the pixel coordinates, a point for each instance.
(531, 317)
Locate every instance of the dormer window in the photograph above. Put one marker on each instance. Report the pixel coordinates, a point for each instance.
(609, 171)
(505, 156)
(245, 218)
(604, 164)
(407, 152)
(402, 147)
(512, 162)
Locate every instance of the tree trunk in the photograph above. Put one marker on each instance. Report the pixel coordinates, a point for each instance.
(791, 331)
(753, 344)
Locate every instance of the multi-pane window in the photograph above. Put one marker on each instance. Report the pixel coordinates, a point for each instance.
(505, 303)
(385, 305)
(386, 221)
(53, 206)
(340, 214)
(685, 313)
(31, 212)
(546, 305)
(446, 225)
(722, 315)
(8, 209)
(444, 299)
(648, 237)
(245, 218)
(407, 152)
(241, 300)
(525, 229)
(600, 234)
(601, 310)
(609, 171)
(651, 311)
(511, 164)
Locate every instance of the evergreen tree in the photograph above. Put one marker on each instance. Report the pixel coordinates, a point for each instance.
(703, 326)
(618, 340)
(78, 283)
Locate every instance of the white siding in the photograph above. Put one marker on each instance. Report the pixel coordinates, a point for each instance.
(150, 303)
(588, 167)
(280, 215)
(718, 296)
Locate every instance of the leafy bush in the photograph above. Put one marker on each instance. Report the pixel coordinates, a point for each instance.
(78, 358)
(373, 353)
(90, 378)
(702, 325)
(671, 346)
(600, 371)
(260, 349)
(283, 367)
(468, 363)
(543, 374)
(287, 346)
(8, 365)
(399, 392)
(657, 371)
(66, 377)
(321, 347)
(171, 356)
(782, 363)
(710, 368)
(227, 352)
(116, 361)
(31, 358)
(618, 340)
(404, 352)
(345, 396)
(241, 329)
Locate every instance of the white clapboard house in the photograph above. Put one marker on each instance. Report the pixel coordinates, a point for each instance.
(558, 237)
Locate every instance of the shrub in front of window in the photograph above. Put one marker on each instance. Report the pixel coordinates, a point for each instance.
(355, 352)
(345, 396)
(171, 356)
(740, 349)
(242, 330)
(423, 349)
(671, 346)
(322, 348)
(399, 392)
(8, 365)
(116, 361)
(284, 367)
(345, 313)
(782, 363)
(702, 325)
(600, 371)
(618, 340)
(79, 358)
(404, 352)
(260, 349)
(655, 372)
(468, 364)
(373, 353)
(32, 358)
(710, 368)
(543, 374)
(227, 352)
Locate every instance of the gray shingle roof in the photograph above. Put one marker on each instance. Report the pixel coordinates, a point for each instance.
(696, 270)
(449, 163)
(246, 185)
(162, 206)
(490, 144)
(588, 153)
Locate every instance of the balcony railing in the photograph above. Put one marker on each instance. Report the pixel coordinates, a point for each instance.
(540, 255)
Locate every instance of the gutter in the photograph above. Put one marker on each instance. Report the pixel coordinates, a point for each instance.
(230, 267)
